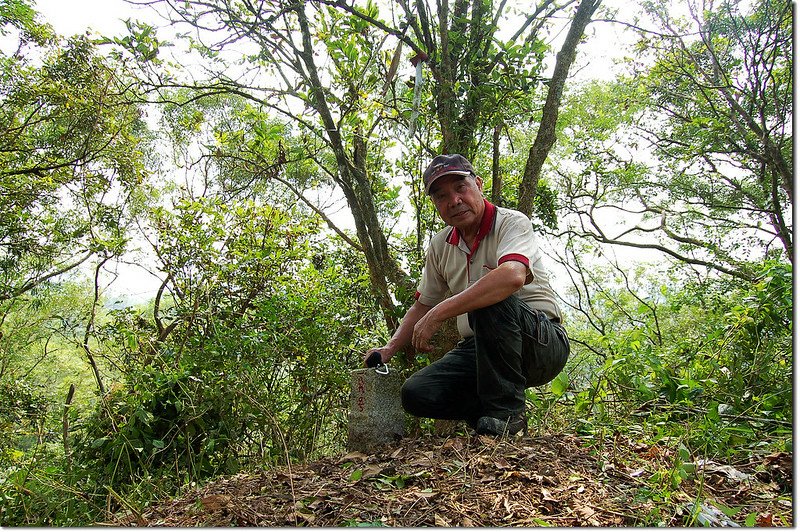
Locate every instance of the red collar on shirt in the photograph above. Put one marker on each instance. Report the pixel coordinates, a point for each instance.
(487, 222)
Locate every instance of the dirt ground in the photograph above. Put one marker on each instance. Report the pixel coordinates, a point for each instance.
(553, 480)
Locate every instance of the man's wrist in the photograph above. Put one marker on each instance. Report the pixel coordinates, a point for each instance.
(389, 349)
(440, 312)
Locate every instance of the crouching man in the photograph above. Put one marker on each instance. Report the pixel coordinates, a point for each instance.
(489, 259)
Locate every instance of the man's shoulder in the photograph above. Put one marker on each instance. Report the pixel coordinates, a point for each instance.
(505, 215)
(442, 235)
(510, 213)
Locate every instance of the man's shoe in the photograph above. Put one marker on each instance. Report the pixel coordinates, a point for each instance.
(502, 427)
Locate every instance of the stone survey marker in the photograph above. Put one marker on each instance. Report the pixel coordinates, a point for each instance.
(376, 416)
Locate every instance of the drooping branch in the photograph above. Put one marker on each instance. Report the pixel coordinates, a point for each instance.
(36, 281)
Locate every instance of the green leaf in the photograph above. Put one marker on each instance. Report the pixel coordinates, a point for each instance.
(730, 512)
(684, 453)
(560, 384)
(713, 413)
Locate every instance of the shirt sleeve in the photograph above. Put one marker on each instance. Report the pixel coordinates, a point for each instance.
(517, 241)
(432, 288)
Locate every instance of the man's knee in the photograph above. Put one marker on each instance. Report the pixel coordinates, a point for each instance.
(424, 397)
(547, 358)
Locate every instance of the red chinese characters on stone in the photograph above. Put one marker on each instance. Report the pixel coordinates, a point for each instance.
(362, 388)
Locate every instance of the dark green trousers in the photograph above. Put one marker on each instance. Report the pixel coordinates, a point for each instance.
(514, 347)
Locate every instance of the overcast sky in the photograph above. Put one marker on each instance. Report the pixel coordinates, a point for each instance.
(69, 17)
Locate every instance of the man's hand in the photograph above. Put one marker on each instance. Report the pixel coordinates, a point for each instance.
(403, 335)
(382, 351)
(424, 331)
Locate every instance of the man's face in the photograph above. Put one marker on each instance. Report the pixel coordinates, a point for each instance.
(459, 200)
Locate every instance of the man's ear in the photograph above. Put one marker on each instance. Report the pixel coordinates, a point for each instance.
(479, 182)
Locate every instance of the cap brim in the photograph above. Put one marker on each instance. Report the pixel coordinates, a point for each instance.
(450, 172)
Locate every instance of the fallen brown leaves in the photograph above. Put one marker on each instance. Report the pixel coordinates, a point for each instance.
(555, 480)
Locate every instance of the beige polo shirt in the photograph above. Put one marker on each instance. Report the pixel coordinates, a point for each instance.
(504, 235)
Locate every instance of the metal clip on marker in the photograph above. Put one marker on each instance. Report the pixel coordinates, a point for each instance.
(374, 361)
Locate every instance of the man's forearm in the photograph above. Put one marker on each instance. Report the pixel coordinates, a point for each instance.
(492, 288)
(403, 334)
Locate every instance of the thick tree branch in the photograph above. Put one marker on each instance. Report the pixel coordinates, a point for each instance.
(545, 136)
(32, 283)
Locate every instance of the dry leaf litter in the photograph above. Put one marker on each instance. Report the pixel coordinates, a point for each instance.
(553, 480)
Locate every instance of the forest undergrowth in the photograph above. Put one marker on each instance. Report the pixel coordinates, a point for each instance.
(689, 426)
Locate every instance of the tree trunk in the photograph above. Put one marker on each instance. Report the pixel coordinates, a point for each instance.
(546, 136)
(65, 428)
(89, 329)
(497, 179)
(353, 177)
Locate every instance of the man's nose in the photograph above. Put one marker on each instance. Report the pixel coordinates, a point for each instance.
(454, 200)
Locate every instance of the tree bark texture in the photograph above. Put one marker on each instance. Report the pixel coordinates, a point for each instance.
(352, 176)
(546, 136)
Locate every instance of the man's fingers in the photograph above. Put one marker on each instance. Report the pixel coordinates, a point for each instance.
(421, 343)
(422, 336)
(374, 358)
